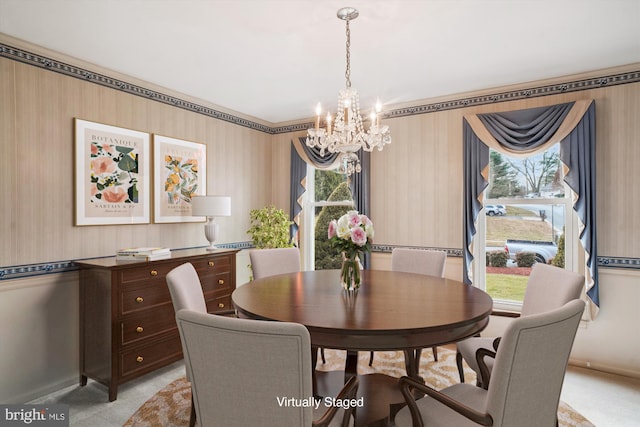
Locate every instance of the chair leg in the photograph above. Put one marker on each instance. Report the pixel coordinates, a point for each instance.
(192, 417)
(371, 358)
(459, 364)
(435, 353)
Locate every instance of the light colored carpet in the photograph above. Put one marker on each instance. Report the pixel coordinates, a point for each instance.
(170, 407)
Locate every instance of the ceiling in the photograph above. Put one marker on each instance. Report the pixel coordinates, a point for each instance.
(275, 59)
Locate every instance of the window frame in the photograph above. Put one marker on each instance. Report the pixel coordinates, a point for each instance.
(307, 227)
(573, 250)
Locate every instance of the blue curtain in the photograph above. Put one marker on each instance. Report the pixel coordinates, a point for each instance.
(297, 189)
(360, 185)
(526, 131)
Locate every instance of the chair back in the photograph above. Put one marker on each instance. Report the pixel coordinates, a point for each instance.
(419, 261)
(185, 288)
(231, 386)
(550, 287)
(269, 262)
(530, 366)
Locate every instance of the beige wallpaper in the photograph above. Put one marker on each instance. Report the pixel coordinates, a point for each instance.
(37, 112)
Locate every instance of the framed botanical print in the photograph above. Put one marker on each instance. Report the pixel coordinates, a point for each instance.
(112, 175)
(180, 172)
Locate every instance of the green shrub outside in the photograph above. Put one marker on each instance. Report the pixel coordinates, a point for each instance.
(558, 260)
(497, 258)
(525, 259)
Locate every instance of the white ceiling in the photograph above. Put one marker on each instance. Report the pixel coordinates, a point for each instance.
(275, 59)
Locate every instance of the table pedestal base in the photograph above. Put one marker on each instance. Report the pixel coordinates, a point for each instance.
(381, 396)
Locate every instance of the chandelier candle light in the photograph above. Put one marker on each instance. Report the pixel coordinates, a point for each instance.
(345, 134)
(211, 207)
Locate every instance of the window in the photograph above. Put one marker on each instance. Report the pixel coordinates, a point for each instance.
(527, 218)
(327, 197)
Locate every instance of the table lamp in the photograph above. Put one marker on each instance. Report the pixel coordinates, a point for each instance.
(211, 207)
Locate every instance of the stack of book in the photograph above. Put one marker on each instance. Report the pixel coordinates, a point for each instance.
(143, 254)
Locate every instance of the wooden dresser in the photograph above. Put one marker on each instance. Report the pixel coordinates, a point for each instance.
(127, 320)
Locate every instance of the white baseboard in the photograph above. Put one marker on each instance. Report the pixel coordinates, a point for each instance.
(604, 368)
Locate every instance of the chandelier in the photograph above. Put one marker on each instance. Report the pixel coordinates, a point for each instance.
(345, 134)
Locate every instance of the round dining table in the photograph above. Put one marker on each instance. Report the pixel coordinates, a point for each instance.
(390, 311)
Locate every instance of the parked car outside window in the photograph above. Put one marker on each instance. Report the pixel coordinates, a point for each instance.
(492, 210)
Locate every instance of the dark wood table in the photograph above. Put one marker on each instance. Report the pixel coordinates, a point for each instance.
(391, 311)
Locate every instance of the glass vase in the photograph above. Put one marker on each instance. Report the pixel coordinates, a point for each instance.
(350, 273)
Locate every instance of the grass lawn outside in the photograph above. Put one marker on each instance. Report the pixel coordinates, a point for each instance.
(506, 286)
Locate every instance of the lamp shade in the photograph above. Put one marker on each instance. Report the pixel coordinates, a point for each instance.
(211, 206)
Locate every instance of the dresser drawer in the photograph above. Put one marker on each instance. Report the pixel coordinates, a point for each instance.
(219, 304)
(148, 271)
(150, 357)
(147, 324)
(142, 295)
(219, 282)
(212, 264)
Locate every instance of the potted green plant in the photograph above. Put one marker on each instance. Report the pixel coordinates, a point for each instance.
(269, 228)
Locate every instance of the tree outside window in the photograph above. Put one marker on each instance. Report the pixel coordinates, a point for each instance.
(329, 195)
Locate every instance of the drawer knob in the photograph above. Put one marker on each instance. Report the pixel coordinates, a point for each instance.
(139, 359)
(139, 329)
(153, 272)
(212, 263)
(139, 299)
(220, 305)
(221, 282)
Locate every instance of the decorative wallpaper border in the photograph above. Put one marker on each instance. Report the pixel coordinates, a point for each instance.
(619, 262)
(452, 252)
(44, 62)
(30, 270)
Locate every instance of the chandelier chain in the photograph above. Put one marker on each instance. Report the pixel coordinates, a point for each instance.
(347, 73)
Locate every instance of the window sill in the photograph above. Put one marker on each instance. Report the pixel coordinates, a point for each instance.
(505, 313)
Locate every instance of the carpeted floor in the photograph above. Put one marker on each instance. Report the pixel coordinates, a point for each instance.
(170, 407)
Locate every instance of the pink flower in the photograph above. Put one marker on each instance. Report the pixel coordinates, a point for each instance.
(358, 236)
(333, 225)
(354, 219)
(102, 165)
(368, 226)
(114, 195)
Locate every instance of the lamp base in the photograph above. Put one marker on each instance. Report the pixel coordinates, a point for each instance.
(211, 233)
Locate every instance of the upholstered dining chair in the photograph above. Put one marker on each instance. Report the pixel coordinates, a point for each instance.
(269, 262)
(231, 387)
(186, 293)
(525, 385)
(419, 261)
(548, 288)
